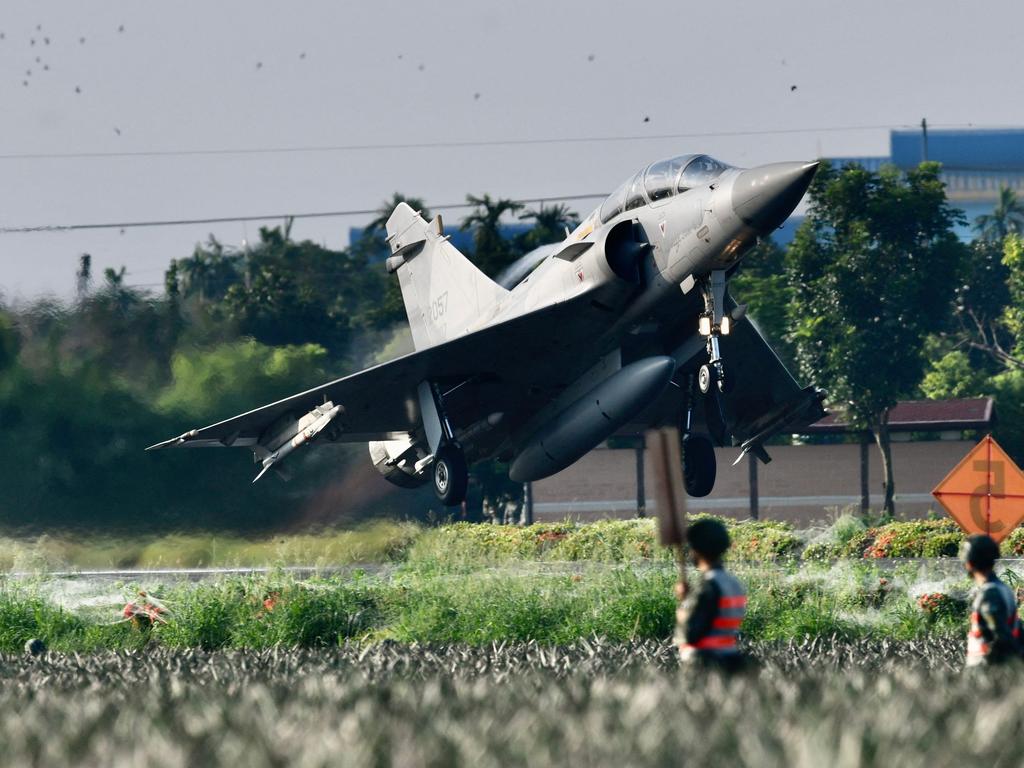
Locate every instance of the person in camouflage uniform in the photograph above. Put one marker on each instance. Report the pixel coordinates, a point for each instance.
(995, 633)
(708, 620)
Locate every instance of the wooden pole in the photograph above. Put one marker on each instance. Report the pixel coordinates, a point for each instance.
(666, 460)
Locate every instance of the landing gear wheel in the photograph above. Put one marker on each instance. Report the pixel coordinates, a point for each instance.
(699, 466)
(451, 475)
(705, 377)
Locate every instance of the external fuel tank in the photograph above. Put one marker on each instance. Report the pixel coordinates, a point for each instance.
(592, 419)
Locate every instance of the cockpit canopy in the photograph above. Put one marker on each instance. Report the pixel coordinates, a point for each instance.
(660, 180)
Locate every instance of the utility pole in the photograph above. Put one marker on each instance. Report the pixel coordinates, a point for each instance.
(924, 139)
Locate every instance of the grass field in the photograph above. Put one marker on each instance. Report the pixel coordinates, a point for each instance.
(591, 703)
(847, 537)
(478, 584)
(494, 646)
(433, 601)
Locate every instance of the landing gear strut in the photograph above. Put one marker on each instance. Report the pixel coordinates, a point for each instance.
(713, 324)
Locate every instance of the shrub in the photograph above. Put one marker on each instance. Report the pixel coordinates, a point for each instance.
(917, 538)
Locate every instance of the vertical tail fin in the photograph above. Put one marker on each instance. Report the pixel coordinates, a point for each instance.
(444, 294)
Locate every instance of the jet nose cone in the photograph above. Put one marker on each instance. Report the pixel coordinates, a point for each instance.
(763, 197)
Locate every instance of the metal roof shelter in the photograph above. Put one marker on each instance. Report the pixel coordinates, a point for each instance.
(975, 413)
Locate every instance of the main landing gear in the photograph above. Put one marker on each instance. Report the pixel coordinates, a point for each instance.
(698, 453)
(451, 474)
(449, 471)
(713, 324)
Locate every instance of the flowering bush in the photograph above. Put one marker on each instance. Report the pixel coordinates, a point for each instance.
(940, 605)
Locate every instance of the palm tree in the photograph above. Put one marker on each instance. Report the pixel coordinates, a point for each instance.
(491, 252)
(387, 208)
(549, 223)
(1007, 218)
(195, 272)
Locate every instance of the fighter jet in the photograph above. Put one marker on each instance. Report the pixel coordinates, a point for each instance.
(626, 324)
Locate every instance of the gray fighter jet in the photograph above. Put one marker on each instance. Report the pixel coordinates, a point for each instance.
(625, 324)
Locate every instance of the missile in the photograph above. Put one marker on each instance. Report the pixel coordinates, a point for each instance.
(322, 417)
(592, 419)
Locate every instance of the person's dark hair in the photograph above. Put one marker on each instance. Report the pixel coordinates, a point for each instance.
(980, 551)
(708, 538)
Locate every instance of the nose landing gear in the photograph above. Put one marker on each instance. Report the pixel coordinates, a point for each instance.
(714, 324)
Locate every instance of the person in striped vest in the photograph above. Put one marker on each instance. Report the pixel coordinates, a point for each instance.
(708, 620)
(995, 633)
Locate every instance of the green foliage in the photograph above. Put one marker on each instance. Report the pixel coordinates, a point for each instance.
(1008, 389)
(763, 286)
(9, 341)
(1013, 316)
(266, 613)
(1007, 218)
(550, 223)
(952, 376)
(378, 542)
(870, 269)
(24, 616)
(916, 538)
(609, 541)
(491, 252)
(220, 382)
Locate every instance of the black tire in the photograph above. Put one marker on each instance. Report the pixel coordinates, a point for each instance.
(450, 475)
(699, 466)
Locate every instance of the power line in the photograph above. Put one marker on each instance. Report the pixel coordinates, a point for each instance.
(269, 217)
(443, 144)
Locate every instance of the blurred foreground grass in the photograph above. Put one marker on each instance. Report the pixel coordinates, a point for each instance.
(594, 703)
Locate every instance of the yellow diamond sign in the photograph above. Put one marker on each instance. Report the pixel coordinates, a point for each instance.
(985, 492)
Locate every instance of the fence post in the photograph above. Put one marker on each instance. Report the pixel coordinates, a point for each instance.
(865, 497)
(526, 518)
(641, 494)
(752, 463)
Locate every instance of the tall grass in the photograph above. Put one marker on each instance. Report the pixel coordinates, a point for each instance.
(515, 602)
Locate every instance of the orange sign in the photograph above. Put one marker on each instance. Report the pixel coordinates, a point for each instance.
(985, 492)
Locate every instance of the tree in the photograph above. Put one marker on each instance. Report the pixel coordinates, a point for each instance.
(761, 283)
(491, 252)
(549, 224)
(1007, 218)
(208, 274)
(870, 270)
(984, 312)
(376, 225)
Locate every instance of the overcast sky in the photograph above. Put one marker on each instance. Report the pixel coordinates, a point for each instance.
(146, 77)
